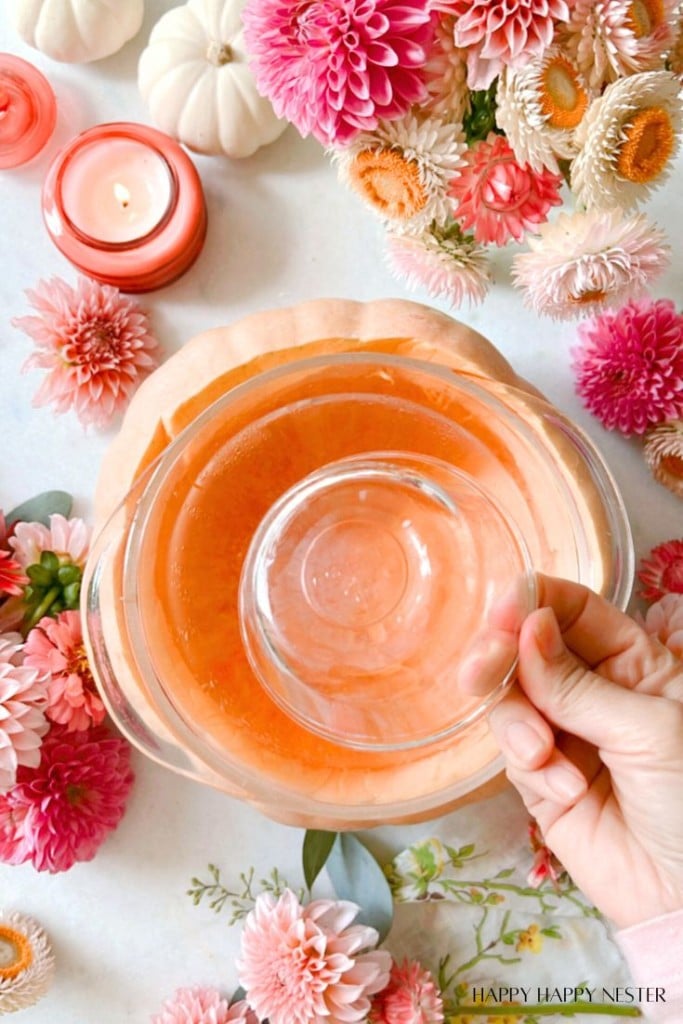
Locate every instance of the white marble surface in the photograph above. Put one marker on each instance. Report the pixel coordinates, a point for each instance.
(281, 230)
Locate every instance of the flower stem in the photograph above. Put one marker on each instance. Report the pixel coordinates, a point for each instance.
(43, 607)
(543, 1010)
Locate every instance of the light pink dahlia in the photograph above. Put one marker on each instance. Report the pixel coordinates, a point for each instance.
(12, 579)
(411, 997)
(629, 367)
(199, 1005)
(61, 811)
(309, 964)
(661, 572)
(95, 343)
(55, 648)
(23, 697)
(664, 619)
(497, 198)
(503, 33)
(336, 67)
(68, 538)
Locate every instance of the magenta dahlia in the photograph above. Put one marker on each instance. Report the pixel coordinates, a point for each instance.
(61, 811)
(336, 67)
(629, 368)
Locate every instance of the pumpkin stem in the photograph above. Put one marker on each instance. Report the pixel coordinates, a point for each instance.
(219, 53)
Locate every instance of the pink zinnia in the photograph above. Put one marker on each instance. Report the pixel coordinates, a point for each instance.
(23, 696)
(497, 198)
(55, 648)
(662, 571)
(69, 539)
(336, 67)
(203, 1006)
(61, 811)
(503, 33)
(629, 370)
(664, 619)
(411, 997)
(309, 965)
(12, 579)
(95, 343)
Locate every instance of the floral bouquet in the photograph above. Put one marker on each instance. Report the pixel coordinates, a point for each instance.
(464, 123)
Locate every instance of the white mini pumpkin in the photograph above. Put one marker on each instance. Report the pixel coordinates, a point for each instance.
(195, 80)
(76, 31)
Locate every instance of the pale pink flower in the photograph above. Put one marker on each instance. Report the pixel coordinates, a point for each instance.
(411, 997)
(67, 538)
(55, 648)
(336, 67)
(12, 579)
(546, 867)
(497, 198)
(95, 343)
(661, 572)
(23, 698)
(199, 1005)
(61, 811)
(446, 75)
(445, 263)
(503, 33)
(664, 619)
(309, 964)
(663, 451)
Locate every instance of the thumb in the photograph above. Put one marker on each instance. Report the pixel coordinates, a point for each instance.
(571, 696)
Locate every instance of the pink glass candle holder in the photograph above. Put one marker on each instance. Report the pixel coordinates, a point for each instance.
(28, 111)
(124, 203)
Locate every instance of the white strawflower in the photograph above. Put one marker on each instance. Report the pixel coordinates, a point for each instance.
(26, 962)
(663, 452)
(443, 261)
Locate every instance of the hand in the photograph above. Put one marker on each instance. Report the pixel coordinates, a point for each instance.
(592, 734)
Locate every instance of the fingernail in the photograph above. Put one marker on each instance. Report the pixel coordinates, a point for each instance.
(548, 636)
(564, 783)
(524, 742)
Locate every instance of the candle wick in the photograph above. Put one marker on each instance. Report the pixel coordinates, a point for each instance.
(219, 53)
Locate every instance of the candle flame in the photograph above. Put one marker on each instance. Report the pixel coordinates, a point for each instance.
(121, 194)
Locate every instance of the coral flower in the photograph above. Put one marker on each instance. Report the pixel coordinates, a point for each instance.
(203, 1006)
(55, 648)
(663, 450)
(411, 997)
(442, 261)
(23, 697)
(630, 366)
(662, 571)
(664, 619)
(309, 965)
(61, 811)
(336, 67)
(95, 344)
(497, 198)
(27, 965)
(503, 33)
(12, 579)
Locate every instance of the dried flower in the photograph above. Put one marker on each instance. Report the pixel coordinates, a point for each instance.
(23, 698)
(95, 343)
(664, 619)
(334, 69)
(203, 1006)
(443, 261)
(585, 261)
(497, 198)
(404, 169)
(503, 33)
(55, 649)
(12, 579)
(627, 141)
(61, 811)
(27, 966)
(309, 964)
(663, 450)
(629, 366)
(411, 997)
(446, 75)
(546, 867)
(661, 572)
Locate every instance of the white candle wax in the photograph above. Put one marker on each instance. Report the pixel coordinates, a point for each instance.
(116, 189)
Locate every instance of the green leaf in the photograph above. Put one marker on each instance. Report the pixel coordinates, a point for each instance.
(316, 850)
(505, 873)
(237, 995)
(356, 876)
(40, 508)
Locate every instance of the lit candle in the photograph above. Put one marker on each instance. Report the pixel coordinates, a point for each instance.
(28, 111)
(124, 203)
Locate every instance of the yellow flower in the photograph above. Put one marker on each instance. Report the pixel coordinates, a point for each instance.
(530, 939)
(511, 1018)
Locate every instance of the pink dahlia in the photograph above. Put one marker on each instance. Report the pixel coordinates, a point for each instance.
(12, 579)
(62, 810)
(411, 997)
(203, 1006)
(68, 538)
(95, 343)
(497, 198)
(664, 619)
(336, 67)
(309, 965)
(503, 33)
(630, 366)
(23, 696)
(55, 648)
(662, 571)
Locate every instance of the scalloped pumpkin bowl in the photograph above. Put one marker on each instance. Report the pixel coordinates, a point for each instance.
(230, 426)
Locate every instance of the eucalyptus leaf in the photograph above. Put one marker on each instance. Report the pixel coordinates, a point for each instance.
(41, 507)
(356, 876)
(316, 850)
(237, 995)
